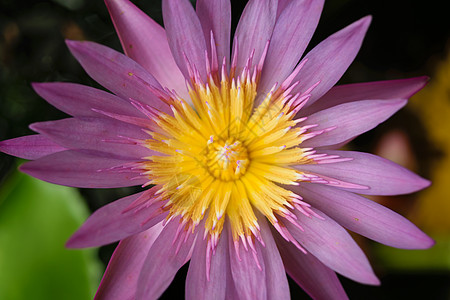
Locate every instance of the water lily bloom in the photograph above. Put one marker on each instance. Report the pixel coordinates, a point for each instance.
(235, 142)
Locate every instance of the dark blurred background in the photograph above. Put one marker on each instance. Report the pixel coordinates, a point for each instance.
(406, 39)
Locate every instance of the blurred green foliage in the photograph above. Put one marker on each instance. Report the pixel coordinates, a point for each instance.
(36, 219)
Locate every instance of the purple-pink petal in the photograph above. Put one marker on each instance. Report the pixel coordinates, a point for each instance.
(163, 261)
(99, 134)
(254, 30)
(120, 279)
(80, 100)
(333, 246)
(145, 41)
(198, 285)
(276, 280)
(381, 176)
(30, 146)
(115, 221)
(249, 278)
(328, 61)
(384, 90)
(364, 216)
(350, 120)
(118, 73)
(215, 17)
(82, 169)
(319, 281)
(281, 6)
(185, 35)
(291, 34)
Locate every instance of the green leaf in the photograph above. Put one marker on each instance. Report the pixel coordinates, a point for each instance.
(36, 219)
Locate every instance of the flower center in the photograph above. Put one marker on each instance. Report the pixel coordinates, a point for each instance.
(226, 160)
(228, 153)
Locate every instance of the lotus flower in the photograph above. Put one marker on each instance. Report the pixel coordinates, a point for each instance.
(236, 152)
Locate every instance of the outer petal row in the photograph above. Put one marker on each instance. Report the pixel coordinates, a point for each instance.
(381, 176)
(98, 134)
(333, 246)
(215, 17)
(365, 217)
(115, 221)
(383, 90)
(350, 120)
(163, 261)
(185, 35)
(291, 34)
(319, 281)
(120, 279)
(330, 59)
(30, 146)
(80, 101)
(118, 73)
(145, 42)
(254, 30)
(198, 287)
(87, 169)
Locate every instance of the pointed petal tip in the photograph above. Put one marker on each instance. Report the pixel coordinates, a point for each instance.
(425, 183)
(361, 24)
(36, 85)
(365, 21)
(430, 242)
(420, 241)
(35, 127)
(75, 45)
(418, 183)
(76, 242)
(4, 147)
(72, 243)
(70, 43)
(425, 78)
(425, 243)
(371, 279)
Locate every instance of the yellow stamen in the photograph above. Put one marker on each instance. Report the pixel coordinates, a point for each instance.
(222, 159)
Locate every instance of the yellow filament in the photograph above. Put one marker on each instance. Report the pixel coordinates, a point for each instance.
(223, 158)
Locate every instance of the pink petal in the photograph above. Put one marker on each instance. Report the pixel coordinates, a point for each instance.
(145, 42)
(330, 59)
(292, 33)
(382, 176)
(319, 281)
(80, 100)
(185, 35)
(118, 73)
(364, 216)
(333, 246)
(276, 280)
(30, 146)
(114, 222)
(383, 90)
(82, 169)
(198, 287)
(249, 280)
(350, 119)
(215, 17)
(254, 30)
(107, 135)
(281, 6)
(120, 279)
(163, 261)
